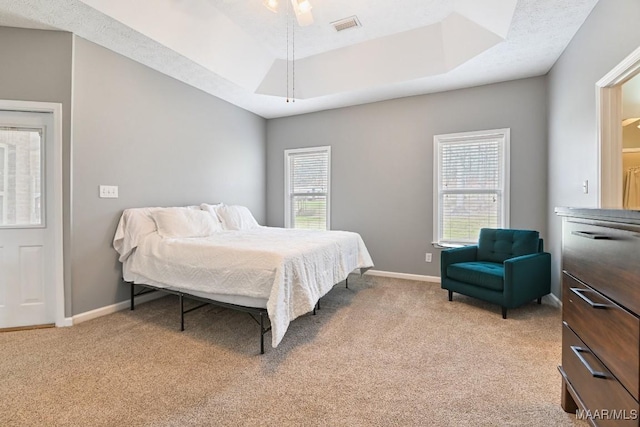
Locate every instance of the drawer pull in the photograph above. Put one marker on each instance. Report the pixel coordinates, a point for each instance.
(579, 292)
(590, 235)
(578, 351)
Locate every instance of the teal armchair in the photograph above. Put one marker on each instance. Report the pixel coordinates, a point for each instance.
(506, 267)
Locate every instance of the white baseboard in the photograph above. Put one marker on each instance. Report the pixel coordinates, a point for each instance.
(394, 275)
(555, 301)
(123, 305)
(67, 321)
(552, 299)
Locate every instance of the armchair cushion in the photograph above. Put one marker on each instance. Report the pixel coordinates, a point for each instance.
(489, 275)
(498, 245)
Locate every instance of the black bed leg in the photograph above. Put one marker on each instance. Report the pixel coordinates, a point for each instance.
(181, 313)
(450, 295)
(346, 282)
(540, 300)
(132, 296)
(261, 333)
(504, 312)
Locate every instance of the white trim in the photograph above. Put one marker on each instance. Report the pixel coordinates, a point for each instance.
(609, 107)
(609, 112)
(550, 298)
(124, 305)
(622, 72)
(406, 276)
(113, 308)
(56, 217)
(68, 321)
(554, 301)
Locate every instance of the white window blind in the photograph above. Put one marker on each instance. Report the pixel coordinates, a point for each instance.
(307, 187)
(471, 185)
(3, 181)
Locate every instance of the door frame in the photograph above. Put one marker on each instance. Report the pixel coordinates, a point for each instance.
(609, 112)
(55, 218)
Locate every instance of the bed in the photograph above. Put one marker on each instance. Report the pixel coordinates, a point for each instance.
(218, 254)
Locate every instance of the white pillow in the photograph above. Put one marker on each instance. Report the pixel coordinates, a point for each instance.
(135, 223)
(212, 209)
(236, 218)
(185, 222)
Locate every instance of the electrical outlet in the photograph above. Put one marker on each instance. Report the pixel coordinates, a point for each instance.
(427, 257)
(108, 192)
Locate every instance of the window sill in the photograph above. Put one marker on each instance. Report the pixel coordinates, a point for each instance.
(449, 245)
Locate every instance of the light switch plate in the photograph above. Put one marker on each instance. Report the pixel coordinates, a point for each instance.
(108, 191)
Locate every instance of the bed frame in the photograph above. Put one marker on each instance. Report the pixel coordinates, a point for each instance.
(257, 314)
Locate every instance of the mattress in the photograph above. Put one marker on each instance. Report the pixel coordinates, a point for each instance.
(283, 270)
(226, 298)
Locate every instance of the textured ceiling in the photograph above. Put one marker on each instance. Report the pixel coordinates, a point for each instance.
(234, 49)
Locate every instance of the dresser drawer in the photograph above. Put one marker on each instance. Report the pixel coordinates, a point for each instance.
(611, 332)
(597, 388)
(605, 258)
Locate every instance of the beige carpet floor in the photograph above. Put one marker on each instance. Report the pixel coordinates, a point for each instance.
(385, 352)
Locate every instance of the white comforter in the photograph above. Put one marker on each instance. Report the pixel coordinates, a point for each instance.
(291, 269)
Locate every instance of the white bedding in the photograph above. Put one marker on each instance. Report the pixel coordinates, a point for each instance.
(290, 269)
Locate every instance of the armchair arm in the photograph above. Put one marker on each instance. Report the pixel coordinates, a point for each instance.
(526, 278)
(455, 255)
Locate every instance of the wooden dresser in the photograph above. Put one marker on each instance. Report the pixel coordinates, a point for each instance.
(600, 315)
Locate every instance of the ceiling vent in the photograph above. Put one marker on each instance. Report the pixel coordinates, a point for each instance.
(346, 23)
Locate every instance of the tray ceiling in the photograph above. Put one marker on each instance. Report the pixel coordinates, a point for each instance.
(237, 49)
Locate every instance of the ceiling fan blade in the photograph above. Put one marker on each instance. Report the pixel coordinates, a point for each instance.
(630, 120)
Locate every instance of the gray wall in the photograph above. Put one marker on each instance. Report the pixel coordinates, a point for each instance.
(163, 143)
(157, 138)
(608, 35)
(36, 66)
(382, 163)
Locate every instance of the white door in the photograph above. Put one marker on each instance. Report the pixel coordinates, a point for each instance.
(27, 261)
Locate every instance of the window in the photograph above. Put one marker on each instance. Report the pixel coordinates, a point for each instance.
(307, 172)
(21, 165)
(3, 181)
(471, 185)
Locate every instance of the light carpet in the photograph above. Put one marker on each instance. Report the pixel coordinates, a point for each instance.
(385, 352)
